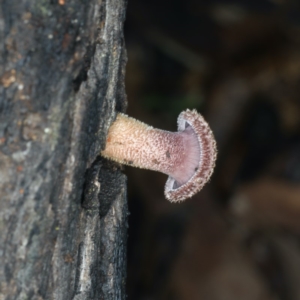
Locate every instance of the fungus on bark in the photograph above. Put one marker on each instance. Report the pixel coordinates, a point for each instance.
(187, 156)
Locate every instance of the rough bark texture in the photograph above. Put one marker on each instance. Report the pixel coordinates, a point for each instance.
(63, 208)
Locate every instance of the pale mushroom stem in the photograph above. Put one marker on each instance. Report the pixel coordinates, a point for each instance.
(136, 144)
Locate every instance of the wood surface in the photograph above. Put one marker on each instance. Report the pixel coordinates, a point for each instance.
(63, 209)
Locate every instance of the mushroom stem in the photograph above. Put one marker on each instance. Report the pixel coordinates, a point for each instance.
(136, 144)
(187, 156)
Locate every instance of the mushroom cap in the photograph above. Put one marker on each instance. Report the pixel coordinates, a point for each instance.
(207, 157)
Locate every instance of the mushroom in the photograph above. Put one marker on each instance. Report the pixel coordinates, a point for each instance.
(187, 156)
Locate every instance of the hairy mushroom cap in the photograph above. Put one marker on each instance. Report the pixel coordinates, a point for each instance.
(206, 153)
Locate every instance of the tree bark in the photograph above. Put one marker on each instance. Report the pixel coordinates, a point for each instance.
(63, 210)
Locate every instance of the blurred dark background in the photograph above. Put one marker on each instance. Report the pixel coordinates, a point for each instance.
(238, 63)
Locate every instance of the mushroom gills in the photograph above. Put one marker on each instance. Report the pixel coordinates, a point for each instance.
(190, 157)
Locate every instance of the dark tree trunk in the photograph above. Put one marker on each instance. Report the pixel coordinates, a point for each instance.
(63, 209)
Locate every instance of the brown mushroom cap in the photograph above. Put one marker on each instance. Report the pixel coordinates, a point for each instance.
(176, 192)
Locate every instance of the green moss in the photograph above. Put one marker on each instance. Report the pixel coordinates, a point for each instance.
(42, 7)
